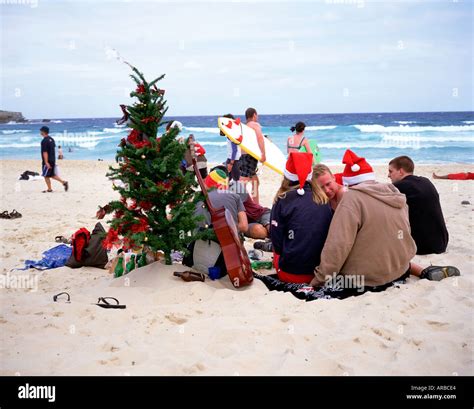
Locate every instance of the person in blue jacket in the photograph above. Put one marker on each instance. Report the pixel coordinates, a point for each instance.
(300, 221)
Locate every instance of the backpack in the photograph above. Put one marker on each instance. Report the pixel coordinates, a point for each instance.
(91, 251)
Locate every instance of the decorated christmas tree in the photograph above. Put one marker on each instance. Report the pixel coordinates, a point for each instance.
(157, 201)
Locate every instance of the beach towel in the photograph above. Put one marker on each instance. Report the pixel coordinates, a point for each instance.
(52, 258)
(308, 293)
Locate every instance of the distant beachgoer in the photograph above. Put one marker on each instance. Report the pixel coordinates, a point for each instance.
(295, 142)
(48, 157)
(428, 227)
(201, 159)
(300, 221)
(455, 176)
(370, 236)
(234, 154)
(60, 152)
(248, 164)
(323, 176)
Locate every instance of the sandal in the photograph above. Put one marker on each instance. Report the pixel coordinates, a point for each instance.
(103, 211)
(62, 239)
(66, 186)
(102, 302)
(48, 191)
(437, 273)
(190, 275)
(15, 215)
(55, 297)
(5, 215)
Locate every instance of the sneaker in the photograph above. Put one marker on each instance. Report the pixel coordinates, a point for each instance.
(263, 245)
(437, 273)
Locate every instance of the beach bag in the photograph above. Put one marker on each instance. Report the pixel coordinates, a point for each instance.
(92, 254)
(204, 254)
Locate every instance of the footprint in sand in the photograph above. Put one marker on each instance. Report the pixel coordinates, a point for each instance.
(194, 368)
(176, 319)
(437, 324)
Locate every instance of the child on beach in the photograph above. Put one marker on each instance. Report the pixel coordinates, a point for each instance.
(300, 220)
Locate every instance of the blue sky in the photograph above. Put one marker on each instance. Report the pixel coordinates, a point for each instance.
(278, 56)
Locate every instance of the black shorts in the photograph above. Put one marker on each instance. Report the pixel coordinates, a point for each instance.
(48, 173)
(248, 166)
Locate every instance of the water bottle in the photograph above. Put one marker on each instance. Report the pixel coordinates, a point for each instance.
(118, 272)
(131, 263)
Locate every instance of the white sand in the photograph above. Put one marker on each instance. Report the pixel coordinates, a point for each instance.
(171, 327)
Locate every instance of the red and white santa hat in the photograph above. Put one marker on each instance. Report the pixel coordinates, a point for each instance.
(299, 168)
(357, 169)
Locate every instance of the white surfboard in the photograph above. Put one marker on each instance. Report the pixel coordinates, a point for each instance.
(246, 138)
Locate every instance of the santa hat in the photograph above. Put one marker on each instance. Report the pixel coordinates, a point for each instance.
(299, 168)
(357, 169)
(217, 178)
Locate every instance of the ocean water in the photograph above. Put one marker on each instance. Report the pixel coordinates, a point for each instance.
(427, 137)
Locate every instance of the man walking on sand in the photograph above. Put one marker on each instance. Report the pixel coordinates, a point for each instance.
(48, 156)
(248, 164)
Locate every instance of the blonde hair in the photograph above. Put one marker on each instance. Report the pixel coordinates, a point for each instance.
(319, 197)
(320, 170)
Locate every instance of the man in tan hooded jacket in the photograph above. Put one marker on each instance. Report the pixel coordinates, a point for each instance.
(369, 235)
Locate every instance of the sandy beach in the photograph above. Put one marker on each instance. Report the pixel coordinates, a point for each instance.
(171, 327)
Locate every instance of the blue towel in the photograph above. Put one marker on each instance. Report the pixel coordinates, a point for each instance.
(52, 258)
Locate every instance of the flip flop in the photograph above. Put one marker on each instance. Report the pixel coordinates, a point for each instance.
(15, 215)
(55, 297)
(66, 186)
(190, 275)
(48, 191)
(102, 302)
(62, 239)
(5, 215)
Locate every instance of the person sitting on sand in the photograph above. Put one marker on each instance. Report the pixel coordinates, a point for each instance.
(428, 227)
(295, 142)
(324, 178)
(204, 254)
(257, 215)
(300, 221)
(220, 197)
(455, 176)
(370, 234)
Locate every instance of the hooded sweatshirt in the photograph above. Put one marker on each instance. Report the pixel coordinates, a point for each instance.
(369, 236)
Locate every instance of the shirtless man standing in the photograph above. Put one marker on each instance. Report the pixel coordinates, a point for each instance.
(248, 164)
